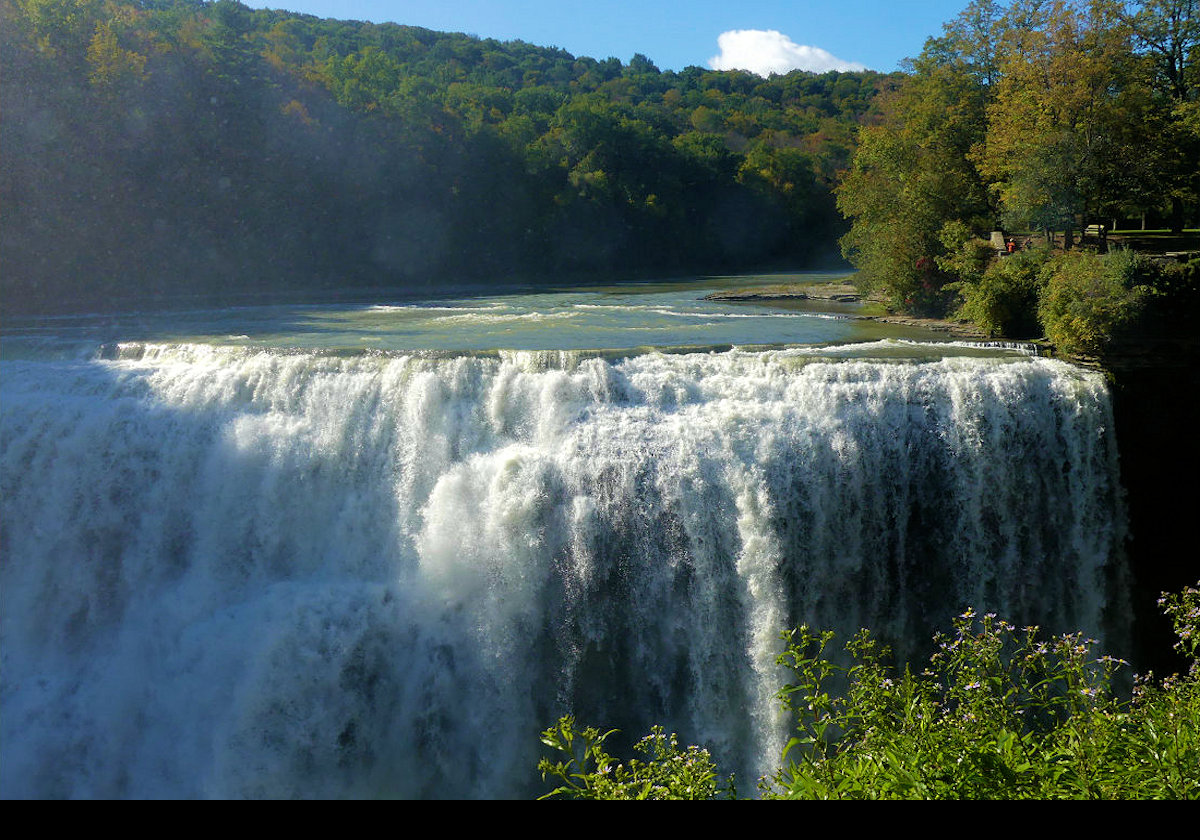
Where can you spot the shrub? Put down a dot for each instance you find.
(976, 725)
(1174, 296)
(1002, 300)
(1087, 299)
(591, 773)
(997, 714)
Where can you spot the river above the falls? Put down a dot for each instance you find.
(617, 317)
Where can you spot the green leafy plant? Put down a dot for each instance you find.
(589, 772)
(983, 721)
(998, 713)
(1087, 299)
(1002, 299)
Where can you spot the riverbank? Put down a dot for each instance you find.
(840, 292)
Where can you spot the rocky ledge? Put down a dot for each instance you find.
(844, 293)
(958, 329)
(836, 292)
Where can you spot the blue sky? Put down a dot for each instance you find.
(807, 33)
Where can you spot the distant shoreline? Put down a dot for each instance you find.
(844, 293)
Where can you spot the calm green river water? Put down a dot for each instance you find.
(626, 317)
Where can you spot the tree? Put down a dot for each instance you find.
(912, 173)
(62, 28)
(1059, 127)
(111, 64)
(1166, 35)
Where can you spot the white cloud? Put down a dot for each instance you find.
(766, 51)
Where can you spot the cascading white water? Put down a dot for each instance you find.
(231, 572)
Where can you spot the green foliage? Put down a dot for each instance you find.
(1183, 608)
(1163, 726)
(591, 773)
(999, 713)
(1045, 116)
(1174, 295)
(1058, 143)
(1081, 301)
(180, 145)
(972, 726)
(1087, 299)
(1002, 299)
(61, 28)
(966, 256)
(911, 175)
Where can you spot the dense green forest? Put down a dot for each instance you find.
(1048, 119)
(158, 148)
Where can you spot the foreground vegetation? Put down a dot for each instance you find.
(998, 713)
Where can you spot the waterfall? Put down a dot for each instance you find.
(234, 572)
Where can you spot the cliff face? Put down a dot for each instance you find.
(1156, 404)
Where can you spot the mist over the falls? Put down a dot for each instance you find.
(230, 572)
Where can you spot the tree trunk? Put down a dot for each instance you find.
(1176, 215)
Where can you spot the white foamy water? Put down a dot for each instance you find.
(230, 571)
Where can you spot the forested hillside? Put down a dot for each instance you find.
(165, 147)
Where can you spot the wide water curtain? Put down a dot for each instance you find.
(231, 572)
